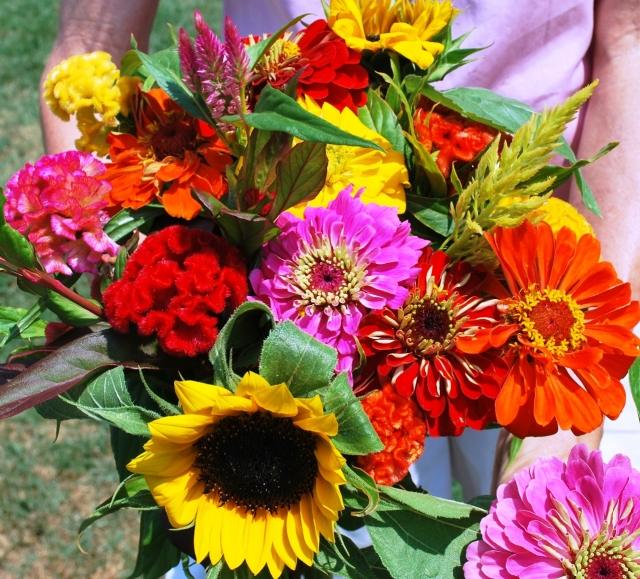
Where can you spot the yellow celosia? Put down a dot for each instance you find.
(404, 26)
(558, 213)
(382, 174)
(89, 87)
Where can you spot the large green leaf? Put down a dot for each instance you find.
(105, 398)
(69, 312)
(344, 559)
(356, 435)
(276, 111)
(431, 506)
(239, 342)
(14, 247)
(432, 212)
(72, 364)
(21, 323)
(634, 382)
(294, 357)
(156, 553)
(379, 116)
(300, 175)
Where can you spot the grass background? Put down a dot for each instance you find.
(47, 488)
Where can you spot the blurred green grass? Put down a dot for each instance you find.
(47, 488)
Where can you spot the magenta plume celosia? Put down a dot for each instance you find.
(59, 205)
(325, 271)
(554, 520)
(215, 69)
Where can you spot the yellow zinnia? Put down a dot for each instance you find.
(382, 174)
(403, 26)
(254, 471)
(89, 86)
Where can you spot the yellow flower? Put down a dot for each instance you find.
(255, 472)
(382, 174)
(89, 86)
(558, 213)
(403, 26)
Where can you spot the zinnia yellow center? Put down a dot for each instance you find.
(551, 319)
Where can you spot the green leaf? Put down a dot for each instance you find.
(431, 506)
(364, 483)
(21, 323)
(378, 116)
(276, 111)
(239, 342)
(169, 80)
(634, 382)
(300, 175)
(14, 247)
(356, 435)
(452, 57)
(294, 357)
(432, 212)
(427, 164)
(156, 553)
(125, 447)
(105, 398)
(69, 312)
(127, 220)
(70, 365)
(514, 447)
(345, 559)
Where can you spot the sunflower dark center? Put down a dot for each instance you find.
(173, 139)
(257, 461)
(605, 566)
(327, 277)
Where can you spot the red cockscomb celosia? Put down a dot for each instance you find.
(179, 285)
(329, 71)
(401, 427)
(170, 155)
(416, 349)
(566, 333)
(454, 137)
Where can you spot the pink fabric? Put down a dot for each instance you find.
(537, 51)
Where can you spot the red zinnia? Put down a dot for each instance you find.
(454, 137)
(401, 428)
(415, 348)
(179, 285)
(170, 154)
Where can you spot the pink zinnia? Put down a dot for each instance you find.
(580, 519)
(59, 205)
(325, 271)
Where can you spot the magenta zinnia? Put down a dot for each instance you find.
(59, 205)
(326, 271)
(554, 520)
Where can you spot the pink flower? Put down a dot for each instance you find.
(325, 271)
(59, 205)
(554, 520)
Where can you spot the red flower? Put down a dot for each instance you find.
(177, 286)
(415, 348)
(454, 137)
(401, 428)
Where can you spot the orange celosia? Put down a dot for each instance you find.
(170, 155)
(567, 332)
(401, 426)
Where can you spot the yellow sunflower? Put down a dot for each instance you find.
(255, 472)
(382, 174)
(404, 26)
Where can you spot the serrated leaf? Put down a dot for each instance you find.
(239, 342)
(634, 383)
(294, 357)
(378, 116)
(356, 435)
(299, 175)
(72, 364)
(276, 111)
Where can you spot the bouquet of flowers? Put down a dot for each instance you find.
(304, 259)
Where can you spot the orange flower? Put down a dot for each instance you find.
(401, 426)
(566, 332)
(170, 155)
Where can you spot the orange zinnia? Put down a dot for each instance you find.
(567, 332)
(170, 154)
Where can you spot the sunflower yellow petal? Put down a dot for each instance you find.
(180, 429)
(309, 530)
(179, 496)
(251, 383)
(205, 523)
(277, 400)
(335, 477)
(233, 541)
(326, 424)
(256, 555)
(308, 407)
(325, 525)
(328, 456)
(163, 464)
(328, 496)
(197, 397)
(277, 530)
(296, 536)
(275, 564)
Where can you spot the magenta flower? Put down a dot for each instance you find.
(59, 205)
(325, 271)
(554, 520)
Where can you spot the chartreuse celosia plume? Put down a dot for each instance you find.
(255, 472)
